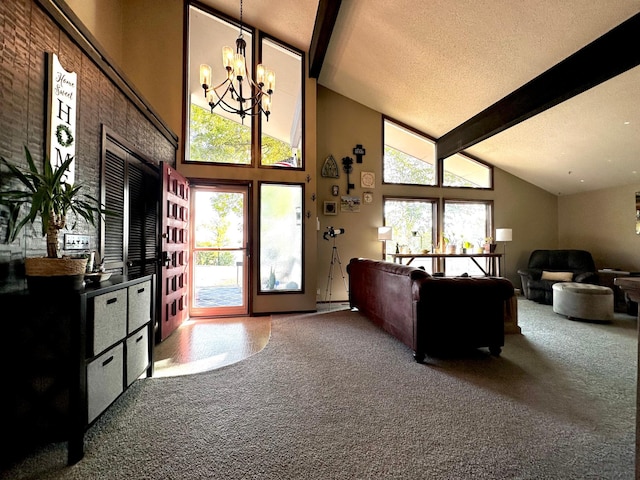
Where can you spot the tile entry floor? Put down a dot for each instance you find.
(204, 344)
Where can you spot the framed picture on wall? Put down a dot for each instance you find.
(330, 208)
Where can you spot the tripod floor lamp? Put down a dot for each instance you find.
(504, 235)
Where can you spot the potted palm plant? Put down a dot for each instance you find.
(51, 200)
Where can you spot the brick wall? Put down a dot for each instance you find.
(27, 33)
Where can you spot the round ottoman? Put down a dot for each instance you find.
(583, 300)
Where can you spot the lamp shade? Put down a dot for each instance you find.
(385, 233)
(504, 235)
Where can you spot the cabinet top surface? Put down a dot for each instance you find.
(90, 290)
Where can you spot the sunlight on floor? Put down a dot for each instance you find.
(205, 344)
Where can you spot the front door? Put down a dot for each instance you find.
(219, 255)
(174, 276)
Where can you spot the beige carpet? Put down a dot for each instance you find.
(333, 397)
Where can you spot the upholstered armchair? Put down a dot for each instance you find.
(547, 267)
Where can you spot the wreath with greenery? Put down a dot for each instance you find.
(67, 132)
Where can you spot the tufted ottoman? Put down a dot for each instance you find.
(583, 300)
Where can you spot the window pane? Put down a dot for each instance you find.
(461, 171)
(280, 237)
(465, 223)
(282, 134)
(408, 157)
(217, 136)
(412, 222)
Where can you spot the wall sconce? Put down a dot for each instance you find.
(504, 235)
(384, 234)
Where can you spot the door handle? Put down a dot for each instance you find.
(166, 259)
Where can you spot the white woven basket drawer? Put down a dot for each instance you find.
(137, 354)
(139, 305)
(104, 381)
(109, 319)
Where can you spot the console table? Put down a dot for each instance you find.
(493, 261)
(631, 286)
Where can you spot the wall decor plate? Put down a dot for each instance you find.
(367, 179)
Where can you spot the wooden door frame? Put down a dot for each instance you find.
(247, 274)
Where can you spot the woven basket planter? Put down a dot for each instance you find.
(55, 273)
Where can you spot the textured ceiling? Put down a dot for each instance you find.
(435, 66)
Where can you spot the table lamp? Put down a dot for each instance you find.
(384, 234)
(504, 235)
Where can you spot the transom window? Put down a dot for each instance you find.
(462, 171)
(409, 158)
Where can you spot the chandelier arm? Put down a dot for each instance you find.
(232, 109)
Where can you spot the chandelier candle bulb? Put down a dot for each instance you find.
(266, 103)
(239, 66)
(205, 75)
(227, 57)
(260, 75)
(271, 81)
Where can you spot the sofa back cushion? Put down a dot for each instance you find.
(562, 260)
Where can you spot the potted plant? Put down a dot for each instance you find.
(51, 200)
(489, 246)
(449, 243)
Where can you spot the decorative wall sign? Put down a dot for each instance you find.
(335, 190)
(349, 204)
(61, 116)
(330, 168)
(331, 208)
(359, 152)
(367, 197)
(367, 179)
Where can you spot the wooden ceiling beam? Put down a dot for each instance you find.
(612, 54)
(325, 20)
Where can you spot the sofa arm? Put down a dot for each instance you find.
(586, 277)
(530, 273)
(461, 312)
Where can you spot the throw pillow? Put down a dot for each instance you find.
(558, 276)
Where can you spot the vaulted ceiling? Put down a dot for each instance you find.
(435, 65)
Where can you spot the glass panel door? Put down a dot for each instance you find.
(219, 259)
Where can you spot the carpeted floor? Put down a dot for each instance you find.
(333, 397)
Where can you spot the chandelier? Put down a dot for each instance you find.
(230, 94)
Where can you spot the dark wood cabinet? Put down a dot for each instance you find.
(71, 355)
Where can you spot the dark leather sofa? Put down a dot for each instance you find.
(430, 314)
(578, 262)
